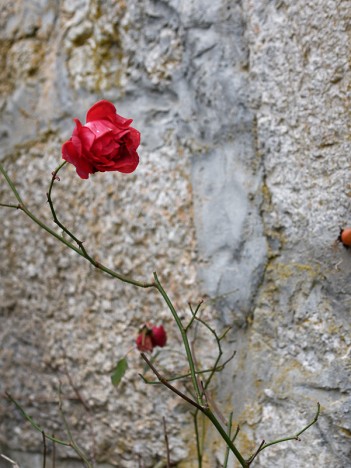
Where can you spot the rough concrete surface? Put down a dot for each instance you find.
(244, 181)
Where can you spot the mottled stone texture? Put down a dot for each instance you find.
(244, 181)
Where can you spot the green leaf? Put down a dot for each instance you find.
(119, 371)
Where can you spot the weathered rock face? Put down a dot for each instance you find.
(244, 113)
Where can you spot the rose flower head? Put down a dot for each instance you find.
(105, 143)
(151, 336)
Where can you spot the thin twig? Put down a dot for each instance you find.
(57, 221)
(44, 449)
(86, 407)
(251, 459)
(73, 444)
(9, 205)
(213, 405)
(226, 457)
(181, 377)
(168, 385)
(293, 437)
(236, 433)
(204, 394)
(193, 313)
(34, 424)
(53, 453)
(198, 444)
(167, 444)
(220, 351)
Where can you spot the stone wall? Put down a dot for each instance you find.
(243, 107)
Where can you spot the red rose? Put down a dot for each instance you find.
(150, 336)
(105, 143)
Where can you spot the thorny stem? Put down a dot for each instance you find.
(80, 252)
(56, 220)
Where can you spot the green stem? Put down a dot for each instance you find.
(57, 221)
(226, 457)
(11, 184)
(225, 437)
(193, 314)
(205, 410)
(80, 252)
(168, 385)
(35, 425)
(8, 205)
(198, 444)
(184, 338)
(73, 444)
(295, 436)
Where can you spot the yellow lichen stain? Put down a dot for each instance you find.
(287, 270)
(267, 197)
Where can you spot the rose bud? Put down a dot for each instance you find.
(158, 336)
(151, 336)
(105, 143)
(144, 341)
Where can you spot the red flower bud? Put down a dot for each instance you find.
(151, 336)
(158, 336)
(144, 341)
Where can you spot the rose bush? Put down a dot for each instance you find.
(105, 143)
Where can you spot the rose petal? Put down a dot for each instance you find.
(159, 336)
(70, 154)
(127, 163)
(134, 137)
(144, 342)
(87, 138)
(102, 110)
(100, 127)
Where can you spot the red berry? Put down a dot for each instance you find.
(345, 237)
